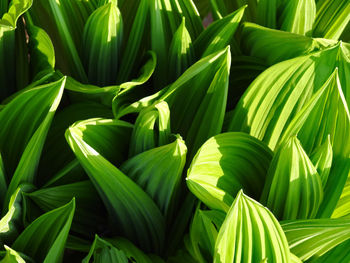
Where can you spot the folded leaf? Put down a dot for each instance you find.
(45, 238)
(102, 39)
(10, 223)
(158, 171)
(308, 238)
(279, 93)
(181, 53)
(132, 212)
(225, 164)
(293, 188)
(151, 129)
(322, 159)
(250, 233)
(12, 256)
(27, 119)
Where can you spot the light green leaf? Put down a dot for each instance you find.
(250, 233)
(279, 93)
(293, 188)
(225, 164)
(10, 223)
(343, 206)
(298, 16)
(12, 256)
(331, 19)
(322, 159)
(132, 212)
(158, 171)
(45, 238)
(308, 238)
(330, 104)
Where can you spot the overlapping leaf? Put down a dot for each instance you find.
(140, 219)
(250, 233)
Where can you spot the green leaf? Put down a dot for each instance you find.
(102, 39)
(42, 53)
(188, 10)
(10, 223)
(3, 184)
(225, 164)
(181, 53)
(322, 159)
(331, 19)
(45, 238)
(158, 171)
(64, 22)
(279, 93)
(102, 251)
(274, 46)
(330, 104)
(343, 205)
(298, 16)
(12, 256)
(218, 35)
(250, 233)
(151, 129)
(203, 233)
(132, 212)
(293, 188)
(266, 14)
(27, 119)
(308, 238)
(85, 222)
(339, 254)
(12, 47)
(132, 48)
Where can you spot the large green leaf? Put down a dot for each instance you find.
(225, 164)
(343, 205)
(330, 104)
(250, 233)
(102, 39)
(293, 188)
(158, 171)
(44, 239)
(313, 238)
(132, 212)
(279, 93)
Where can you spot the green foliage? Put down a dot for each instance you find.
(129, 130)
